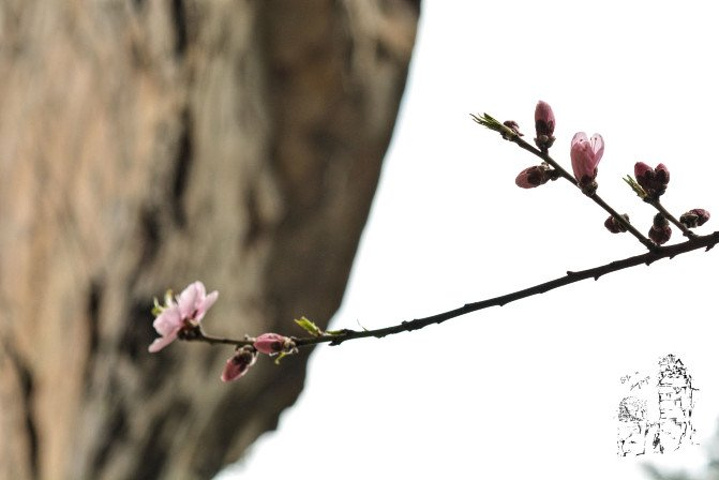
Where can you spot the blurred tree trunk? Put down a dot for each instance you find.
(145, 144)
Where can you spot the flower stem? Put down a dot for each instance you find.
(657, 204)
(596, 198)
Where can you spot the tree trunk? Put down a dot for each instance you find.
(145, 144)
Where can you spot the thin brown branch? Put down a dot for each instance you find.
(512, 136)
(660, 208)
(335, 338)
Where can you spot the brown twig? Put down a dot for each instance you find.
(341, 336)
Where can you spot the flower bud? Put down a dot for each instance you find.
(614, 226)
(514, 126)
(239, 363)
(534, 176)
(662, 174)
(544, 125)
(661, 232)
(695, 218)
(586, 154)
(272, 343)
(660, 235)
(653, 181)
(659, 220)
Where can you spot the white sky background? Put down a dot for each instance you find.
(530, 389)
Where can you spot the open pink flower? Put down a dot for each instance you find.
(586, 154)
(186, 311)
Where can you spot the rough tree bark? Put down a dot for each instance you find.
(145, 144)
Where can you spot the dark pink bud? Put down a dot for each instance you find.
(272, 343)
(661, 232)
(614, 226)
(695, 218)
(533, 176)
(659, 220)
(660, 235)
(641, 168)
(544, 124)
(239, 363)
(653, 181)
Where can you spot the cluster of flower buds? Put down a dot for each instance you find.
(661, 232)
(586, 154)
(544, 126)
(695, 218)
(614, 225)
(653, 180)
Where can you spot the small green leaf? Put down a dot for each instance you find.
(309, 326)
(636, 187)
(157, 308)
(492, 123)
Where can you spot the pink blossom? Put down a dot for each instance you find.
(586, 154)
(239, 363)
(185, 312)
(270, 343)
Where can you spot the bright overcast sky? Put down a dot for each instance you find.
(529, 390)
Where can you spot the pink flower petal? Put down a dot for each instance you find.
(168, 321)
(162, 342)
(597, 144)
(188, 299)
(579, 137)
(205, 304)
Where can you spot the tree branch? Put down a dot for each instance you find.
(341, 336)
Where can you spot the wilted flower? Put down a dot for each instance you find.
(273, 343)
(544, 125)
(695, 218)
(183, 313)
(533, 176)
(653, 181)
(238, 364)
(614, 226)
(586, 154)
